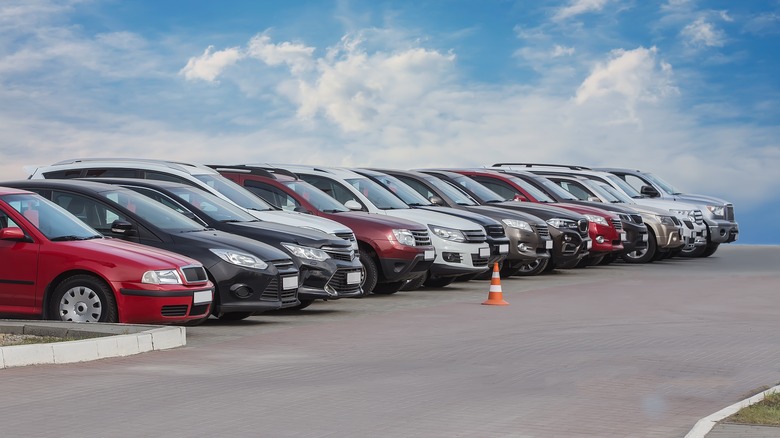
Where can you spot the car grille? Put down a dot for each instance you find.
(340, 253)
(636, 218)
(421, 237)
(698, 217)
(174, 310)
(346, 236)
(478, 261)
(200, 309)
(542, 230)
(676, 221)
(688, 224)
(582, 227)
(339, 281)
(195, 274)
(495, 230)
(274, 292)
(728, 212)
(474, 236)
(617, 224)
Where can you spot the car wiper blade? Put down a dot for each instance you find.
(233, 221)
(67, 238)
(494, 201)
(95, 236)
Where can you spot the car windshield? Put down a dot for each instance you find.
(557, 190)
(241, 196)
(665, 186)
(624, 186)
(152, 211)
(212, 206)
(484, 194)
(319, 199)
(53, 221)
(408, 195)
(533, 191)
(378, 195)
(457, 195)
(613, 192)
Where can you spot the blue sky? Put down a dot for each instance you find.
(687, 89)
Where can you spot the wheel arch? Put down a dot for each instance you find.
(70, 273)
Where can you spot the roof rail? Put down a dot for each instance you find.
(266, 171)
(568, 166)
(172, 164)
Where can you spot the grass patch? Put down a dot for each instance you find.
(765, 412)
(8, 339)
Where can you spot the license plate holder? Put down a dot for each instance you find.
(430, 255)
(548, 244)
(201, 297)
(503, 249)
(353, 277)
(484, 252)
(289, 282)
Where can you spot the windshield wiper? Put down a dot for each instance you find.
(67, 238)
(233, 221)
(494, 201)
(333, 210)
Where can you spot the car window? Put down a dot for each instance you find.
(49, 218)
(575, 189)
(211, 205)
(316, 197)
(377, 194)
(239, 195)
(457, 195)
(419, 187)
(331, 188)
(274, 196)
(162, 176)
(93, 213)
(634, 182)
(63, 174)
(112, 173)
(408, 195)
(7, 222)
(502, 189)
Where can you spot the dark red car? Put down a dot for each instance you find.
(605, 228)
(392, 250)
(55, 267)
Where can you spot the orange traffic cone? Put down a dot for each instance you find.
(495, 296)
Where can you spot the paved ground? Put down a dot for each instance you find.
(615, 351)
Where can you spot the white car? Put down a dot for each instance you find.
(196, 175)
(460, 244)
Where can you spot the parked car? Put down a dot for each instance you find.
(663, 228)
(718, 214)
(249, 277)
(495, 236)
(694, 232)
(55, 267)
(529, 236)
(328, 267)
(460, 244)
(605, 228)
(569, 231)
(195, 175)
(392, 250)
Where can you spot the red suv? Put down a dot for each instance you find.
(605, 229)
(392, 250)
(53, 266)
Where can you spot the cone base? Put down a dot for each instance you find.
(495, 302)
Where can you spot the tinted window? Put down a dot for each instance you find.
(160, 176)
(239, 195)
(112, 173)
(90, 211)
(272, 195)
(332, 188)
(63, 174)
(377, 194)
(502, 189)
(316, 197)
(50, 219)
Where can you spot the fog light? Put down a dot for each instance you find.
(600, 239)
(523, 247)
(241, 290)
(451, 257)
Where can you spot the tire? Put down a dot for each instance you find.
(388, 288)
(695, 252)
(83, 298)
(304, 304)
(643, 255)
(235, 316)
(415, 283)
(711, 248)
(371, 272)
(438, 282)
(534, 267)
(608, 259)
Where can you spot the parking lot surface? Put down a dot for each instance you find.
(609, 351)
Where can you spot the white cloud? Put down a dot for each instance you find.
(559, 51)
(297, 56)
(702, 33)
(210, 64)
(578, 7)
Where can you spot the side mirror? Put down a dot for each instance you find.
(123, 228)
(353, 205)
(301, 209)
(593, 199)
(649, 191)
(12, 233)
(436, 200)
(519, 197)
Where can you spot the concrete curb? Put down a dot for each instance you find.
(705, 425)
(94, 341)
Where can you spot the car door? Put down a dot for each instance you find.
(96, 214)
(18, 269)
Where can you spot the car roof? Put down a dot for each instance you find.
(337, 172)
(12, 191)
(153, 183)
(77, 184)
(135, 163)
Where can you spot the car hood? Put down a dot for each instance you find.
(505, 213)
(700, 199)
(666, 204)
(544, 211)
(357, 219)
(302, 220)
(274, 233)
(108, 250)
(481, 219)
(434, 218)
(213, 239)
(586, 209)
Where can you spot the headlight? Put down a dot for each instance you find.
(404, 237)
(447, 233)
(516, 223)
(163, 276)
(597, 219)
(557, 222)
(716, 210)
(666, 220)
(306, 252)
(240, 258)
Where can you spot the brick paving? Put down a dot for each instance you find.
(613, 351)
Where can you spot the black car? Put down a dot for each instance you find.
(494, 231)
(250, 277)
(529, 235)
(569, 231)
(329, 268)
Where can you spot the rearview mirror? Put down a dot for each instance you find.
(593, 199)
(649, 191)
(122, 227)
(435, 200)
(12, 233)
(353, 205)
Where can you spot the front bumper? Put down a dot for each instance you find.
(168, 305)
(636, 236)
(330, 279)
(569, 247)
(251, 290)
(693, 234)
(402, 262)
(458, 258)
(722, 231)
(666, 236)
(606, 239)
(526, 246)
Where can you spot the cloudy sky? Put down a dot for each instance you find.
(688, 89)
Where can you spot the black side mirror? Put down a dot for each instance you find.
(123, 228)
(302, 209)
(435, 200)
(649, 191)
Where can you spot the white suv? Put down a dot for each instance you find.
(196, 175)
(460, 244)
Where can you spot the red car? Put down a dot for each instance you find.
(605, 229)
(55, 267)
(392, 250)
